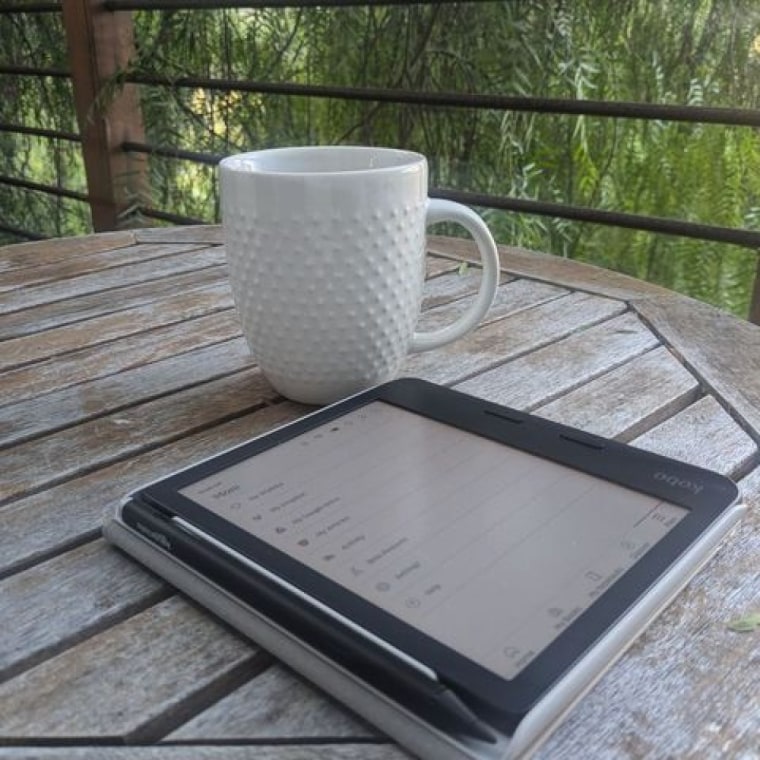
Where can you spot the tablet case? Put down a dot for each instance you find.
(421, 738)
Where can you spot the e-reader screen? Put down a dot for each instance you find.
(442, 528)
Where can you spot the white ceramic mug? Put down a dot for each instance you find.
(326, 255)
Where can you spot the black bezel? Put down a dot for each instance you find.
(711, 495)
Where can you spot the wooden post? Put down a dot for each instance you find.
(754, 304)
(100, 45)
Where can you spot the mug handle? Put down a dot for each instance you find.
(439, 210)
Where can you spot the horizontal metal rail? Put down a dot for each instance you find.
(30, 8)
(52, 134)
(166, 216)
(616, 109)
(173, 5)
(18, 232)
(741, 117)
(210, 159)
(33, 71)
(730, 235)
(38, 187)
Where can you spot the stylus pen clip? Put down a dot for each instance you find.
(378, 656)
(452, 704)
(415, 687)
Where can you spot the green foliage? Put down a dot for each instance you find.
(697, 52)
(40, 102)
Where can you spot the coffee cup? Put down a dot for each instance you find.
(326, 255)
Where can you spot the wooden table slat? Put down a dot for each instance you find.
(451, 286)
(274, 705)
(558, 270)
(542, 375)
(198, 233)
(59, 313)
(40, 524)
(723, 351)
(183, 259)
(705, 435)
(44, 461)
(100, 361)
(606, 406)
(511, 298)
(182, 307)
(437, 265)
(343, 751)
(87, 263)
(81, 592)
(79, 403)
(62, 249)
(497, 342)
(156, 343)
(115, 684)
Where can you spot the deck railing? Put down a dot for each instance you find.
(112, 137)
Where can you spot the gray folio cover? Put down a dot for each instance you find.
(419, 737)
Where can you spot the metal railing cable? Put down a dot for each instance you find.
(40, 187)
(176, 5)
(611, 109)
(10, 8)
(51, 134)
(15, 70)
(730, 235)
(166, 216)
(725, 116)
(22, 233)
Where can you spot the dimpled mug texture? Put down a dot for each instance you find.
(327, 284)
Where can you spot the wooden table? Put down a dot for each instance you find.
(121, 360)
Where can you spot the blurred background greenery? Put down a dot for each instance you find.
(682, 52)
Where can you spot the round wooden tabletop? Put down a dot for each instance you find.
(121, 360)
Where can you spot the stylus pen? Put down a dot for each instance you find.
(431, 699)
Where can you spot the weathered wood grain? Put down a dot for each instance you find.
(639, 709)
(705, 435)
(87, 263)
(194, 258)
(53, 520)
(97, 304)
(79, 403)
(693, 329)
(437, 265)
(41, 252)
(687, 688)
(133, 680)
(59, 456)
(211, 234)
(568, 273)
(452, 286)
(276, 704)
(497, 342)
(79, 592)
(722, 351)
(683, 691)
(344, 751)
(511, 298)
(629, 400)
(99, 361)
(182, 307)
(564, 365)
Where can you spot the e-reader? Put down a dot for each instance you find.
(453, 553)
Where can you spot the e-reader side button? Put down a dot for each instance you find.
(505, 416)
(581, 440)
